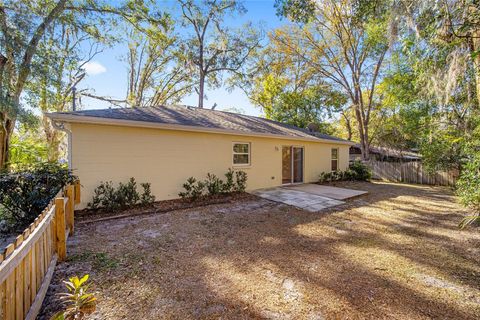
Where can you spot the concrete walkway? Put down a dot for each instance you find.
(310, 197)
(327, 191)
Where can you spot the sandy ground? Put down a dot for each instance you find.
(396, 253)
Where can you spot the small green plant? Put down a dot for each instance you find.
(240, 181)
(147, 197)
(109, 198)
(193, 189)
(229, 181)
(78, 301)
(213, 184)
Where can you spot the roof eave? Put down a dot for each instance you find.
(70, 118)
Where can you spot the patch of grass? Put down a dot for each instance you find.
(100, 260)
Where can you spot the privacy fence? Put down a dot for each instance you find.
(411, 172)
(27, 265)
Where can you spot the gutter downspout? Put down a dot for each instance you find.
(61, 126)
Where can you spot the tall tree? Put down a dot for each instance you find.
(346, 44)
(288, 89)
(212, 48)
(23, 24)
(156, 75)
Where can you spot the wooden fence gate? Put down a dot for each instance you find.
(27, 265)
(411, 172)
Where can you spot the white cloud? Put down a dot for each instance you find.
(93, 68)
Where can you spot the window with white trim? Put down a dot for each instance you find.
(241, 153)
(334, 159)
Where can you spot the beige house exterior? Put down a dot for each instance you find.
(166, 154)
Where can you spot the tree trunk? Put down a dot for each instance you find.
(6, 131)
(364, 147)
(348, 124)
(476, 62)
(201, 89)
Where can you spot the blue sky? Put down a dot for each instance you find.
(107, 74)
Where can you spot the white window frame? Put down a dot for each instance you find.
(249, 153)
(331, 159)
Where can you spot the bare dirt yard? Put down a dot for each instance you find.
(396, 253)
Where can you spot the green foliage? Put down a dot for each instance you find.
(213, 184)
(77, 300)
(109, 198)
(27, 191)
(240, 181)
(357, 171)
(193, 189)
(146, 197)
(229, 182)
(27, 148)
(468, 189)
(235, 181)
(296, 10)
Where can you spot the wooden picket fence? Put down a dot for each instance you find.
(27, 265)
(411, 172)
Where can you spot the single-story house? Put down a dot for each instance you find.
(166, 145)
(384, 154)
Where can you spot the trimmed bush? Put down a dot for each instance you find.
(229, 182)
(240, 181)
(357, 171)
(235, 181)
(26, 192)
(360, 171)
(193, 189)
(109, 198)
(213, 184)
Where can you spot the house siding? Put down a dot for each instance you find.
(166, 158)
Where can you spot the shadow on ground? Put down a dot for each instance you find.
(396, 253)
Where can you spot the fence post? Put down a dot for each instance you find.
(69, 219)
(60, 228)
(77, 191)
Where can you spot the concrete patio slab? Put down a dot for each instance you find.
(300, 199)
(327, 191)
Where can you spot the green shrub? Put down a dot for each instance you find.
(357, 171)
(147, 197)
(26, 192)
(109, 198)
(240, 181)
(127, 194)
(468, 190)
(213, 184)
(193, 189)
(229, 182)
(236, 181)
(360, 171)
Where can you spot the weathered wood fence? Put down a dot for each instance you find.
(27, 265)
(411, 172)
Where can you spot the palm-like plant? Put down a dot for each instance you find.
(78, 302)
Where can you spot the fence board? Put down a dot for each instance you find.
(27, 265)
(410, 172)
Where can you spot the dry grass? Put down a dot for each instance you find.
(396, 253)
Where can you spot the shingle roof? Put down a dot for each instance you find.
(196, 117)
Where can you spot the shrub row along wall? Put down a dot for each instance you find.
(26, 266)
(410, 172)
